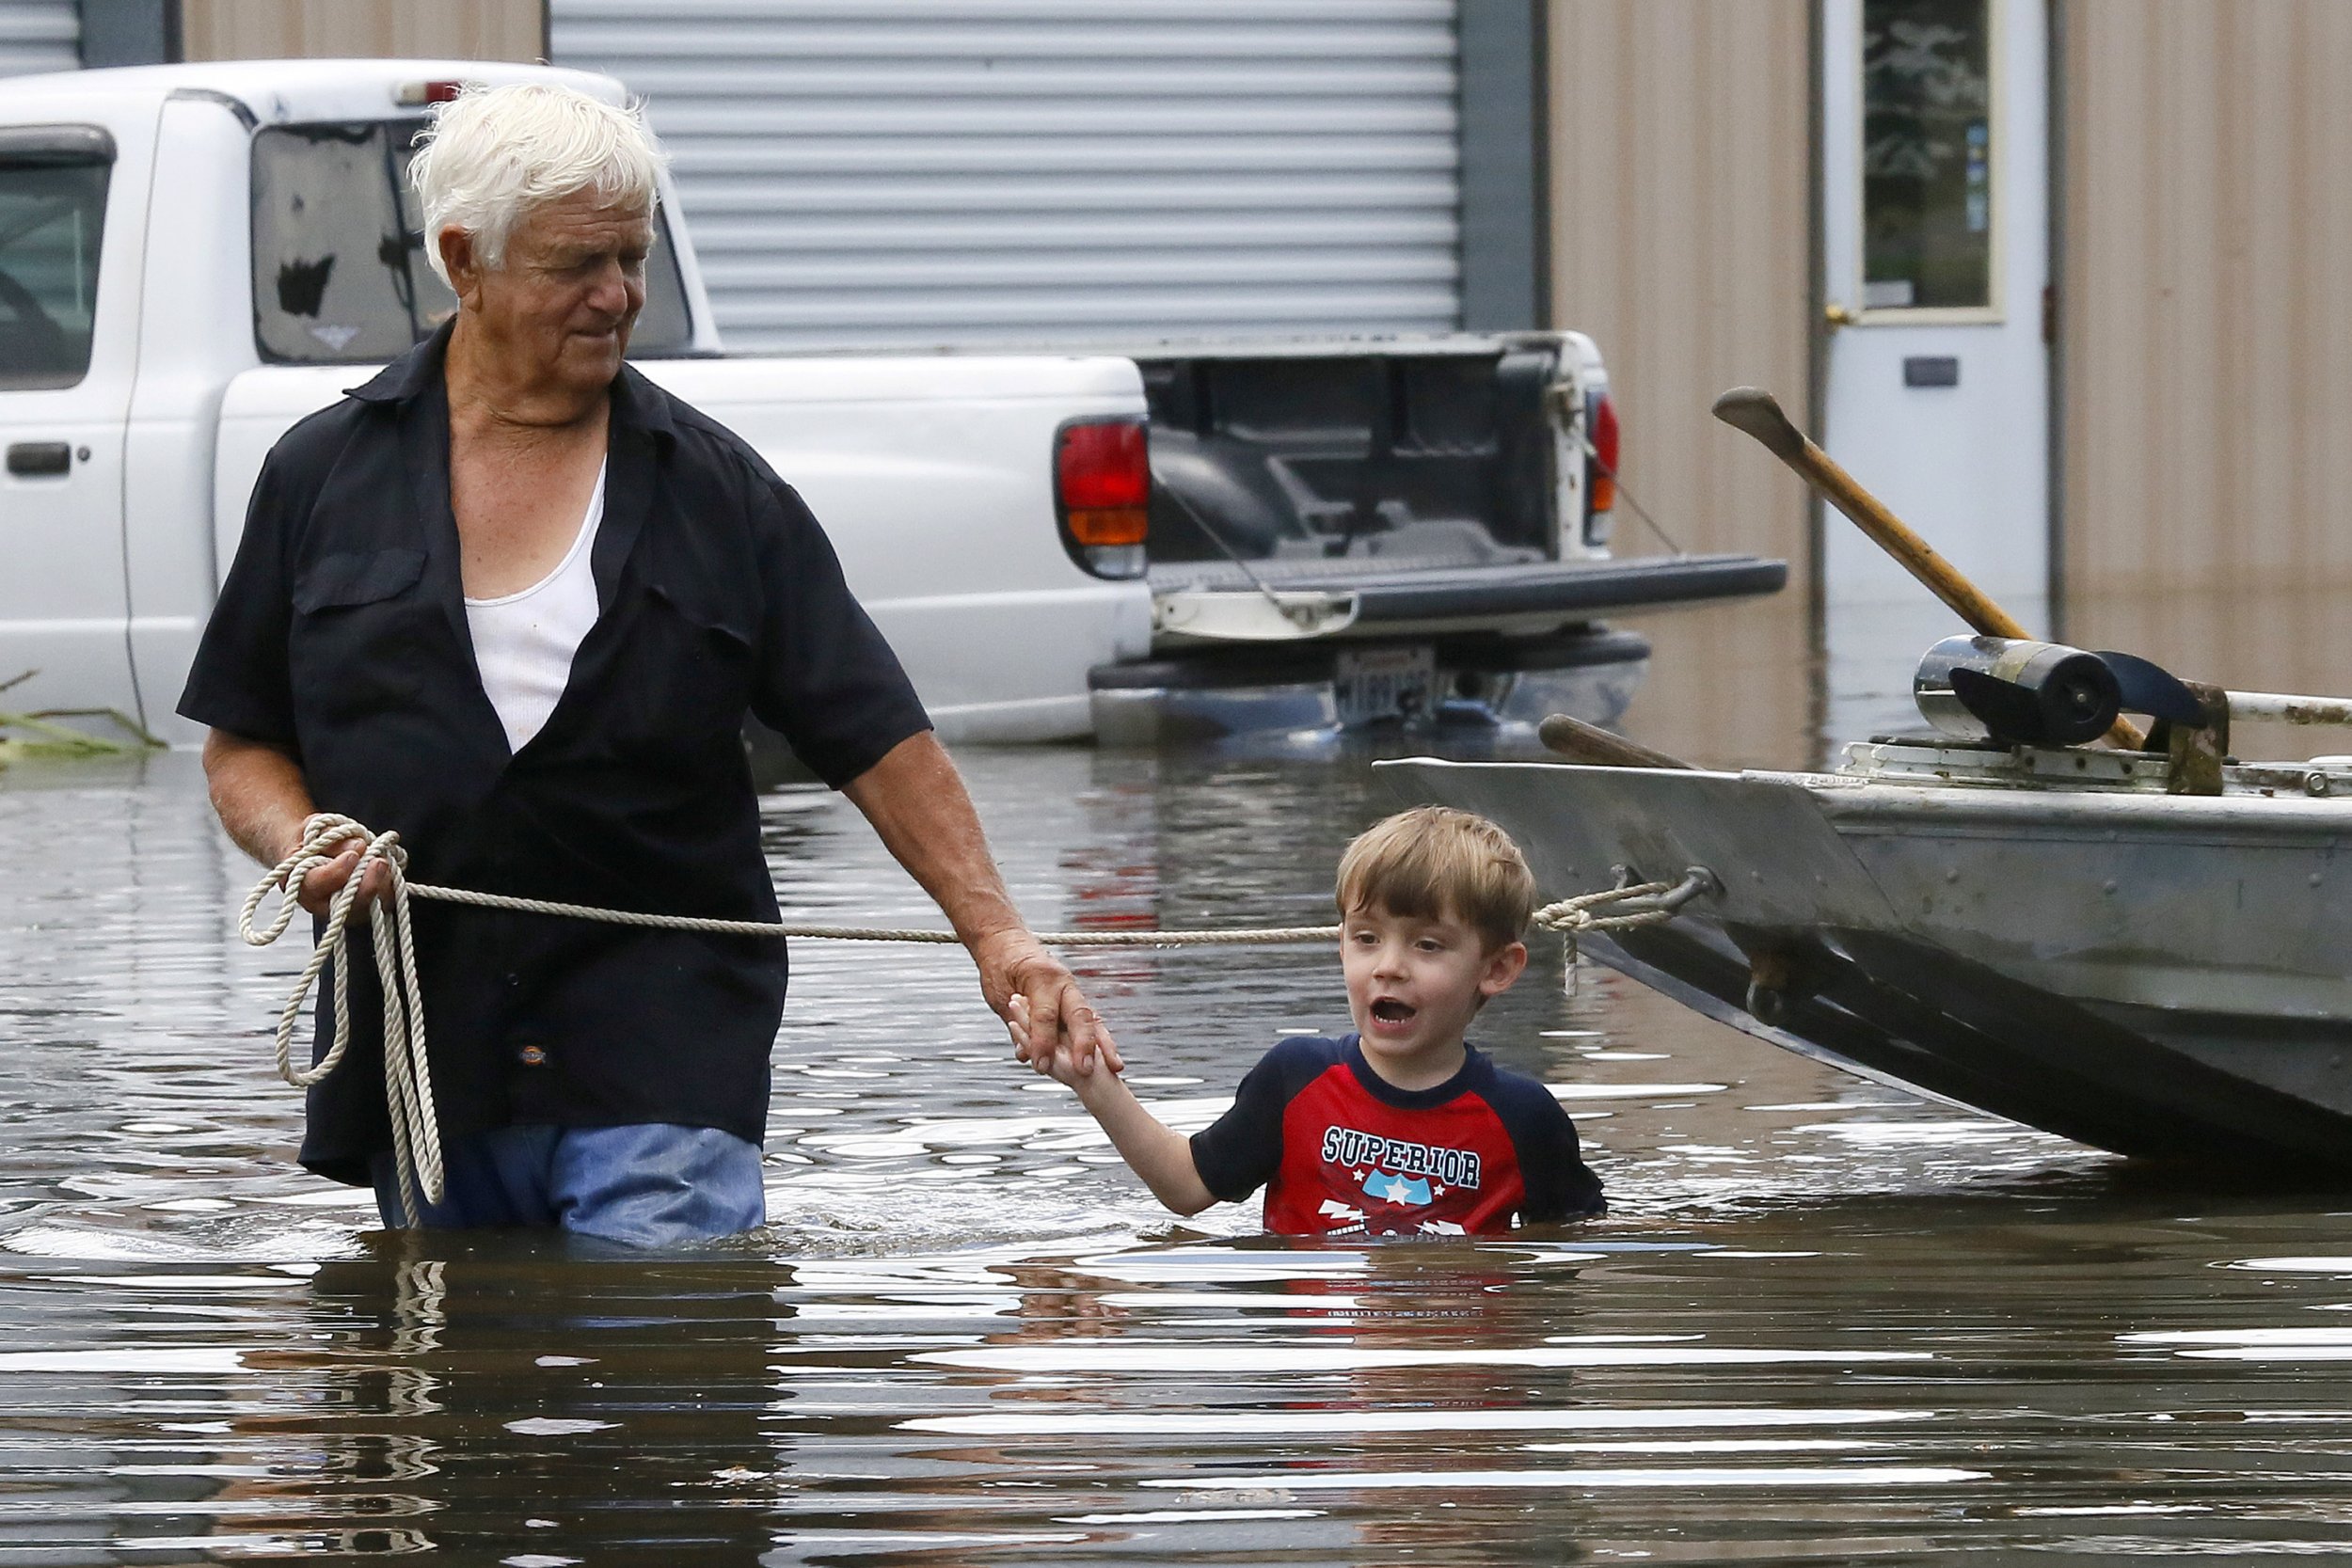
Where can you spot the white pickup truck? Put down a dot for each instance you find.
(191, 257)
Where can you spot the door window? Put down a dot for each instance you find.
(53, 209)
(1928, 128)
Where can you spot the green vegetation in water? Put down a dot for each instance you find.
(44, 736)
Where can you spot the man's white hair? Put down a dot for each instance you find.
(492, 155)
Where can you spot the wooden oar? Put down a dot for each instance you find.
(1757, 412)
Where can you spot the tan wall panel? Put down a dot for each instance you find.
(2206, 313)
(293, 29)
(1682, 220)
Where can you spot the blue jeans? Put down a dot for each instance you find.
(650, 1185)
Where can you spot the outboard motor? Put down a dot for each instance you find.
(2015, 693)
(2003, 689)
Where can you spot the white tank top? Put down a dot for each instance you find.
(523, 644)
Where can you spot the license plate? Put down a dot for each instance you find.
(1384, 683)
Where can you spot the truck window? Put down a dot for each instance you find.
(52, 207)
(339, 270)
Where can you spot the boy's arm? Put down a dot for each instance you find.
(1152, 1149)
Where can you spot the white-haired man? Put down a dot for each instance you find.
(515, 601)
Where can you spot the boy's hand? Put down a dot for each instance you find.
(1062, 1069)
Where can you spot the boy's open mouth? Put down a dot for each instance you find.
(1390, 1010)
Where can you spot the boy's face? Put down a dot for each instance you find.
(1413, 986)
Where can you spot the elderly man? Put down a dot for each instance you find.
(512, 600)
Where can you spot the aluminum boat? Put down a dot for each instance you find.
(2148, 951)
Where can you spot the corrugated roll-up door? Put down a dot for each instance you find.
(39, 35)
(963, 171)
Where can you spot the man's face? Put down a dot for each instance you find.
(570, 290)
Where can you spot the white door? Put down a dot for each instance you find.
(1934, 169)
(73, 196)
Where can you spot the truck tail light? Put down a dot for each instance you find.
(414, 94)
(1601, 465)
(1103, 494)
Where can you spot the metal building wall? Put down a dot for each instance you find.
(328, 29)
(2205, 310)
(966, 171)
(1682, 239)
(39, 35)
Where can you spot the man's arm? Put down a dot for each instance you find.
(1153, 1150)
(917, 803)
(262, 800)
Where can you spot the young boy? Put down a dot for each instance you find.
(1399, 1127)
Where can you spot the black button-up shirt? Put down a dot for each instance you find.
(340, 632)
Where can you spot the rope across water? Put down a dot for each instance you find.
(407, 1071)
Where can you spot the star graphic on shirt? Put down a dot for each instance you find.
(1403, 1190)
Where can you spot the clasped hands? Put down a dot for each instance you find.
(1053, 1026)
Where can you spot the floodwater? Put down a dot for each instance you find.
(1823, 1321)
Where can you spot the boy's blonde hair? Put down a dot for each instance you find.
(1433, 862)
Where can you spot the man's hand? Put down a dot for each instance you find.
(1043, 1009)
(258, 789)
(319, 888)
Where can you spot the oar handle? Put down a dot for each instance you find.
(1595, 746)
(1758, 413)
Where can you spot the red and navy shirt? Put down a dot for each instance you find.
(1340, 1151)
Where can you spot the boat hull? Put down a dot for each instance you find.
(2161, 977)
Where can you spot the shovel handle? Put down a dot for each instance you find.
(1758, 414)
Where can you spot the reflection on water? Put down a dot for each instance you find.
(1823, 1322)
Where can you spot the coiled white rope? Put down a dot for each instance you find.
(408, 1072)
